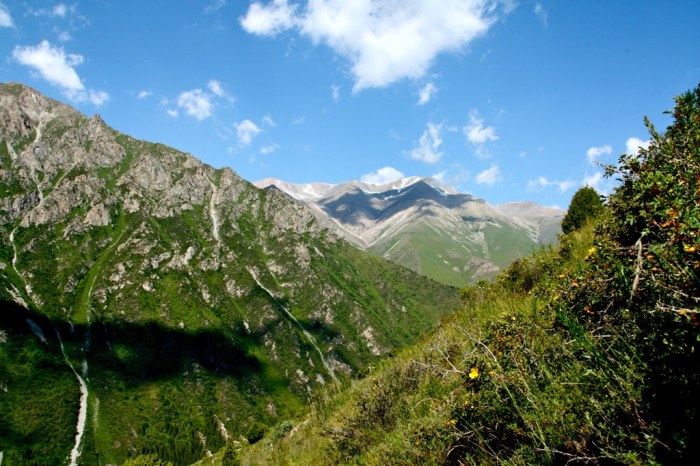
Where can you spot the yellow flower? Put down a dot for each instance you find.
(688, 248)
(474, 373)
(590, 252)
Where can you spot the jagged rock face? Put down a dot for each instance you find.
(426, 227)
(105, 231)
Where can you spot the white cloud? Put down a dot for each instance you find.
(270, 19)
(216, 88)
(489, 176)
(5, 17)
(541, 13)
(543, 182)
(476, 132)
(215, 6)
(384, 41)
(143, 94)
(172, 112)
(452, 177)
(246, 131)
(60, 10)
(52, 64)
(428, 146)
(267, 119)
(594, 181)
(63, 36)
(335, 92)
(57, 67)
(595, 152)
(268, 149)
(634, 144)
(426, 93)
(97, 98)
(382, 176)
(196, 103)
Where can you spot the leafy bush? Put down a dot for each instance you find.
(643, 276)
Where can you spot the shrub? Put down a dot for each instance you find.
(643, 277)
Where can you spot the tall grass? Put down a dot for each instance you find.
(512, 377)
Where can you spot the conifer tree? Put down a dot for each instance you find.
(585, 204)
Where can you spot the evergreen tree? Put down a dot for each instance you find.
(585, 204)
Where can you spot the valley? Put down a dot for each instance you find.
(184, 301)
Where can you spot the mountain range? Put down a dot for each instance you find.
(154, 304)
(452, 237)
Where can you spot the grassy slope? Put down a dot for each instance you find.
(589, 353)
(512, 377)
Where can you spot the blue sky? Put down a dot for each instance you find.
(507, 100)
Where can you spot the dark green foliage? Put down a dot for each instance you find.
(643, 279)
(585, 205)
(230, 455)
(146, 460)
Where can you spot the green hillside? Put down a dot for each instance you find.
(169, 305)
(585, 353)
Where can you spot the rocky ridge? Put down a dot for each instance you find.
(419, 223)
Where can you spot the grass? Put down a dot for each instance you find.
(512, 377)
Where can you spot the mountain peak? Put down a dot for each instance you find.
(427, 226)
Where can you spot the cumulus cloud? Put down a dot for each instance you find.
(426, 93)
(97, 98)
(633, 145)
(199, 103)
(57, 67)
(5, 17)
(270, 19)
(60, 10)
(476, 132)
(52, 63)
(384, 41)
(382, 176)
(246, 131)
(196, 103)
(490, 176)
(428, 146)
(143, 94)
(594, 181)
(594, 153)
(543, 182)
(218, 89)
